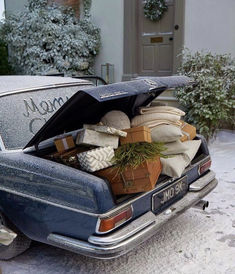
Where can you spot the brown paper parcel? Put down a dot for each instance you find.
(136, 135)
(189, 132)
(141, 179)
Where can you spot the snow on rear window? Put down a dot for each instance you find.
(23, 114)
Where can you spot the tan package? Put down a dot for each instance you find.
(188, 131)
(64, 143)
(136, 135)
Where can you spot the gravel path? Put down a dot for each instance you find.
(196, 242)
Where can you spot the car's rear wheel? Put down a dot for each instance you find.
(19, 244)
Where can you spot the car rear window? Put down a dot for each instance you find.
(23, 114)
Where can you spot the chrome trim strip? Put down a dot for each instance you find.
(85, 83)
(7, 236)
(46, 201)
(125, 232)
(100, 247)
(2, 146)
(13, 150)
(116, 213)
(202, 182)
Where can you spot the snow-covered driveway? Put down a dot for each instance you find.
(196, 242)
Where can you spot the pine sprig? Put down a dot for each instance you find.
(134, 154)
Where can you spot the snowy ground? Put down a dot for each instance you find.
(196, 242)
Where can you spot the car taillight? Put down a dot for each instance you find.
(204, 167)
(109, 223)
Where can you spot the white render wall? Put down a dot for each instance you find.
(210, 25)
(108, 15)
(2, 9)
(13, 6)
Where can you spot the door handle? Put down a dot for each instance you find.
(177, 27)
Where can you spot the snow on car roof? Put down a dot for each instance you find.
(21, 82)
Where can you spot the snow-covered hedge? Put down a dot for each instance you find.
(212, 101)
(47, 38)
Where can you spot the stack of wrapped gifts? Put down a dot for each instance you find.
(131, 154)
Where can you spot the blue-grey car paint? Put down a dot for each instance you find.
(42, 197)
(53, 202)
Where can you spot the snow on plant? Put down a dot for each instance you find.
(212, 100)
(47, 38)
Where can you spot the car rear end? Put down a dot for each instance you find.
(138, 217)
(72, 209)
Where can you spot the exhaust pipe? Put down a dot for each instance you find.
(201, 205)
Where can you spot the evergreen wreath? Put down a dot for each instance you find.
(155, 9)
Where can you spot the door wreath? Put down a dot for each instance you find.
(154, 9)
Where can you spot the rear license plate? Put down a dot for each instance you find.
(165, 197)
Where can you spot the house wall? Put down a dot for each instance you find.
(210, 25)
(13, 6)
(2, 9)
(108, 15)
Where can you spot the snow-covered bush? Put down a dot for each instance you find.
(212, 100)
(47, 38)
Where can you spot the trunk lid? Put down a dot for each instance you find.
(89, 105)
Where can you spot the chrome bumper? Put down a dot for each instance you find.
(124, 239)
(7, 236)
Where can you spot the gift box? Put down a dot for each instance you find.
(188, 131)
(136, 135)
(64, 143)
(92, 137)
(96, 159)
(141, 179)
(106, 129)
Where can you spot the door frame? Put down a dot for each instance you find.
(130, 51)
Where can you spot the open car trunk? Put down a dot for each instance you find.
(89, 105)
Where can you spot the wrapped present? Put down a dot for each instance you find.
(188, 131)
(106, 129)
(96, 159)
(137, 134)
(94, 138)
(64, 143)
(143, 178)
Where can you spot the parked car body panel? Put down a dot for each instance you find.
(43, 198)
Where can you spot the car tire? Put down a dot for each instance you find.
(20, 244)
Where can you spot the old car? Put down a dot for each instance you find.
(49, 202)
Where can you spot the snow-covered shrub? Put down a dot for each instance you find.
(212, 100)
(46, 38)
